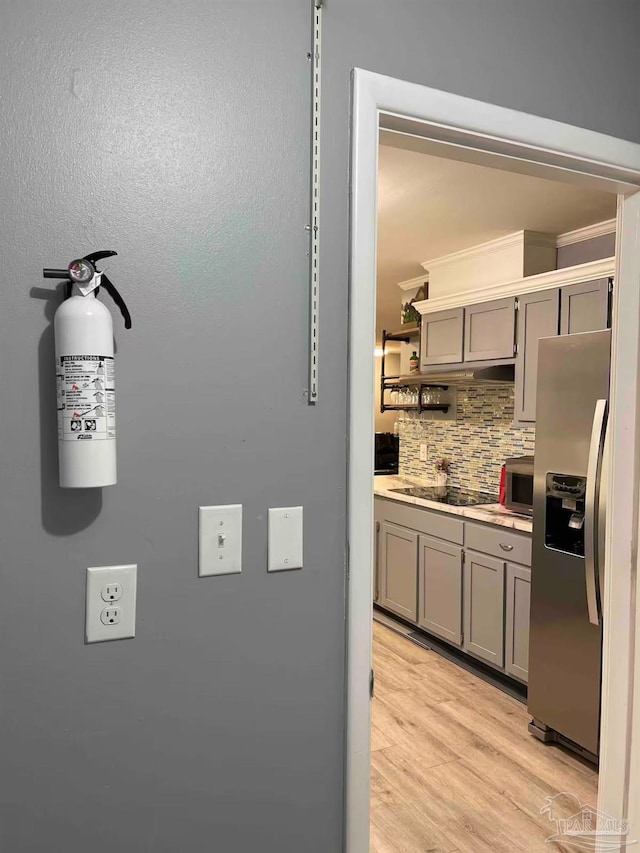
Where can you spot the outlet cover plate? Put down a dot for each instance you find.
(220, 551)
(98, 577)
(285, 538)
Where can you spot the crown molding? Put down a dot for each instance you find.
(533, 238)
(531, 284)
(412, 283)
(599, 229)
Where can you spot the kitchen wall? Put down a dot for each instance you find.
(477, 443)
(177, 133)
(587, 250)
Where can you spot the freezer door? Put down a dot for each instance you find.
(565, 648)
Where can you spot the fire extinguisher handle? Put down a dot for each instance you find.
(92, 257)
(117, 298)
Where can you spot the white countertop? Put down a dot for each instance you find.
(489, 513)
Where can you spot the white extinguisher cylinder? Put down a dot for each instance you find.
(85, 377)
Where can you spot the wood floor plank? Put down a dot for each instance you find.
(392, 672)
(400, 826)
(412, 732)
(408, 651)
(442, 797)
(461, 760)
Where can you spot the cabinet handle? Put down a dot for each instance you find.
(506, 547)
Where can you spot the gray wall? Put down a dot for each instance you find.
(176, 133)
(587, 250)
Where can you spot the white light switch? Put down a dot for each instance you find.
(220, 540)
(285, 538)
(110, 612)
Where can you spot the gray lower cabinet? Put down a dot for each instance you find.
(484, 607)
(398, 570)
(538, 317)
(517, 622)
(584, 307)
(440, 588)
(489, 330)
(441, 337)
(471, 596)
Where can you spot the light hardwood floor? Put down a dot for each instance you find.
(453, 766)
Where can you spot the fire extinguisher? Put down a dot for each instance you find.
(85, 375)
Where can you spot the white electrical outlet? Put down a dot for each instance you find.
(111, 616)
(112, 592)
(106, 620)
(423, 452)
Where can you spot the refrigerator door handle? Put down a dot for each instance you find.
(591, 510)
(603, 498)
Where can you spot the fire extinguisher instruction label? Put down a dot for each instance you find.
(86, 397)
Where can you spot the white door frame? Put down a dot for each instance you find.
(546, 146)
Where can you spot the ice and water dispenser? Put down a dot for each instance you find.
(564, 516)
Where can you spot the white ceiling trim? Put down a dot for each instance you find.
(412, 283)
(530, 284)
(599, 229)
(535, 238)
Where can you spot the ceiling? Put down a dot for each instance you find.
(430, 206)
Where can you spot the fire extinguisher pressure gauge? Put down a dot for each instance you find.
(81, 271)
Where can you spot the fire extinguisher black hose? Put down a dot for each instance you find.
(115, 295)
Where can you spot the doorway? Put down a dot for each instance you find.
(482, 134)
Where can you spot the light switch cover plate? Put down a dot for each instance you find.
(220, 540)
(108, 618)
(285, 538)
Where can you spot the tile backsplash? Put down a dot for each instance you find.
(476, 444)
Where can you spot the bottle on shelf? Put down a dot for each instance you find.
(414, 362)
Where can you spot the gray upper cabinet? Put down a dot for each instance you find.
(517, 622)
(538, 317)
(442, 337)
(440, 588)
(398, 570)
(489, 330)
(584, 307)
(484, 607)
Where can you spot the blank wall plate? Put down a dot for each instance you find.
(109, 618)
(285, 538)
(220, 540)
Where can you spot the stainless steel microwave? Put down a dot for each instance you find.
(519, 484)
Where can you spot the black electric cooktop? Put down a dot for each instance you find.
(453, 496)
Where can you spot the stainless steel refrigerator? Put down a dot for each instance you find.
(569, 507)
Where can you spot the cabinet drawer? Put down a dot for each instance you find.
(515, 547)
(421, 520)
